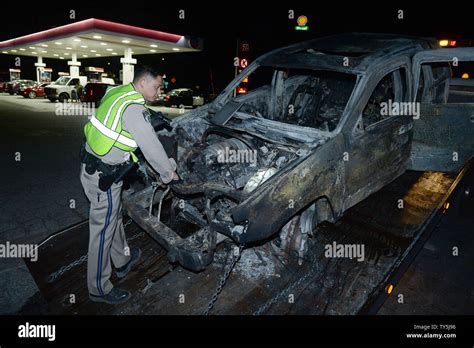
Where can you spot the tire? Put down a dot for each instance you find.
(11, 93)
(32, 95)
(293, 238)
(52, 100)
(63, 97)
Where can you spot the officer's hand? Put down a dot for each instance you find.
(174, 179)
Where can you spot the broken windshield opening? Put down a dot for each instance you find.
(309, 98)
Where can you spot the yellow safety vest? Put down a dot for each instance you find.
(104, 130)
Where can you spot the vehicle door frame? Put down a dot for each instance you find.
(447, 138)
(353, 129)
(438, 55)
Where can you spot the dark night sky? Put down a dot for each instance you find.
(221, 25)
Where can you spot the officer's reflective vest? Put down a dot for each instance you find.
(104, 130)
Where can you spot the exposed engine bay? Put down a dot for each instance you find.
(219, 169)
(232, 163)
(225, 167)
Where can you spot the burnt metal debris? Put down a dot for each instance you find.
(308, 144)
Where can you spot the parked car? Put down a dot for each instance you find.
(180, 97)
(8, 87)
(94, 91)
(64, 88)
(13, 87)
(24, 85)
(3, 86)
(307, 144)
(35, 91)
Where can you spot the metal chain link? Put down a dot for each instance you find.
(127, 223)
(223, 280)
(263, 309)
(57, 274)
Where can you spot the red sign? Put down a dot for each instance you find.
(244, 63)
(173, 80)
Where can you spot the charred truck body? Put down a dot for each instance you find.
(332, 121)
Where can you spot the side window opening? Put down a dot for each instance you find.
(391, 88)
(445, 83)
(433, 85)
(461, 83)
(441, 75)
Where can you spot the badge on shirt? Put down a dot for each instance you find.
(147, 115)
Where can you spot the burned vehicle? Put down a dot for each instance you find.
(329, 122)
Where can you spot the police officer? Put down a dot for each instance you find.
(118, 127)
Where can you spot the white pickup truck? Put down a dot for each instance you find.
(64, 88)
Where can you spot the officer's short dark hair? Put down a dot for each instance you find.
(146, 71)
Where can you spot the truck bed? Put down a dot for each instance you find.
(260, 282)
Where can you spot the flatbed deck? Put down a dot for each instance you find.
(260, 282)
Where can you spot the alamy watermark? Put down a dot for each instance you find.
(348, 251)
(74, 109)
(392, 108)
(229, 155)
(25, 251)
(37, 331)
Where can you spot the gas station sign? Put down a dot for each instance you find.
(45, 75)
(14, 74)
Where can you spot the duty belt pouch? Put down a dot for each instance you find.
(88, 160)
(94, 164)
(111, 174)
(91, 168)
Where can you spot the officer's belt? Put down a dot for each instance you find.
(94, 164)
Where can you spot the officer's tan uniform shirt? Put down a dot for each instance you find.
(134, 122)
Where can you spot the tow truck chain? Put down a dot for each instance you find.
(266, 306)
(223, 279)
(59, 273)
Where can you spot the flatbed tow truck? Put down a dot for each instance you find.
(392, 221)
(260, 282)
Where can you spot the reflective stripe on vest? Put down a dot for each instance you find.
(112, 134)
(121, 108)
(104, 130)
(109, 111)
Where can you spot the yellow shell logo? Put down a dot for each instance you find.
(302, 20)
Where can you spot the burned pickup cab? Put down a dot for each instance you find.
(328, 122)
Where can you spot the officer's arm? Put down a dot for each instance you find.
(133, 121)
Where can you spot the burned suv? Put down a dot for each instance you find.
(329, 122)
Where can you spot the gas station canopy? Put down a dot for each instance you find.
(94, 38)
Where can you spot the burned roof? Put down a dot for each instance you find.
(363, 43)
(330, 52)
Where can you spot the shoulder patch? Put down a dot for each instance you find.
(146, 115)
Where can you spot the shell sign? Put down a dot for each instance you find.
(302, 21)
